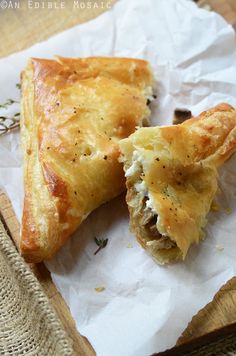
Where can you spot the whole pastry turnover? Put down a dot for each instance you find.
(171, 178)
(74, 113)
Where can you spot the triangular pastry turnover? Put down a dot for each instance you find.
(171, 178)
(74, 112)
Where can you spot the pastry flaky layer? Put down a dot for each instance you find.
(171, 178)
(74, 112)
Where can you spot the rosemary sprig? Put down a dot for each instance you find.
(101, 244)
(18, 85)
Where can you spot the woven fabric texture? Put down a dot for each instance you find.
(28, 324)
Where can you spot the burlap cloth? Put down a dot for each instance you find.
(28, 324)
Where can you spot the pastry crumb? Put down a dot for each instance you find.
(228, 211)
(219, 247)
(99, 289)
(129, 245)
(215, 207)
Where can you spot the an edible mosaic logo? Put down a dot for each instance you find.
(76, 4)
(4, 4)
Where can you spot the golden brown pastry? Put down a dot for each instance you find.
(171, 174)
(74, 112)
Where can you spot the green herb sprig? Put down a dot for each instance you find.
(101, 244)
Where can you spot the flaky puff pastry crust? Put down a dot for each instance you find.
(74, 112)
(172, 179)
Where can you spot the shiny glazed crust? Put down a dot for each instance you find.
(74, 112)
(177, 169)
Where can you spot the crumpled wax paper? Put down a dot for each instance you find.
(144, 307)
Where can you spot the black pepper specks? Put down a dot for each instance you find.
(75, 192)
(48, 148)
(163, 166)
(105, 157)
(157, 159)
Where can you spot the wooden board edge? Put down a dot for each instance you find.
(213, 314)
(201, 341)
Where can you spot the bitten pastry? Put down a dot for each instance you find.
(171, 178)
(74, 112)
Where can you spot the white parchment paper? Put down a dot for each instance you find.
(144, 307)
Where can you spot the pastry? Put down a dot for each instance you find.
(74, 112)
(171, 178)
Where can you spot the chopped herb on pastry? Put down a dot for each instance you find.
(74, 113)
(171, 179)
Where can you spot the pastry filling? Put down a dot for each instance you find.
(148, 221)
(145, 214)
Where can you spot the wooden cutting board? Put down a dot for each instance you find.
(20, 28)
(226, 8)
